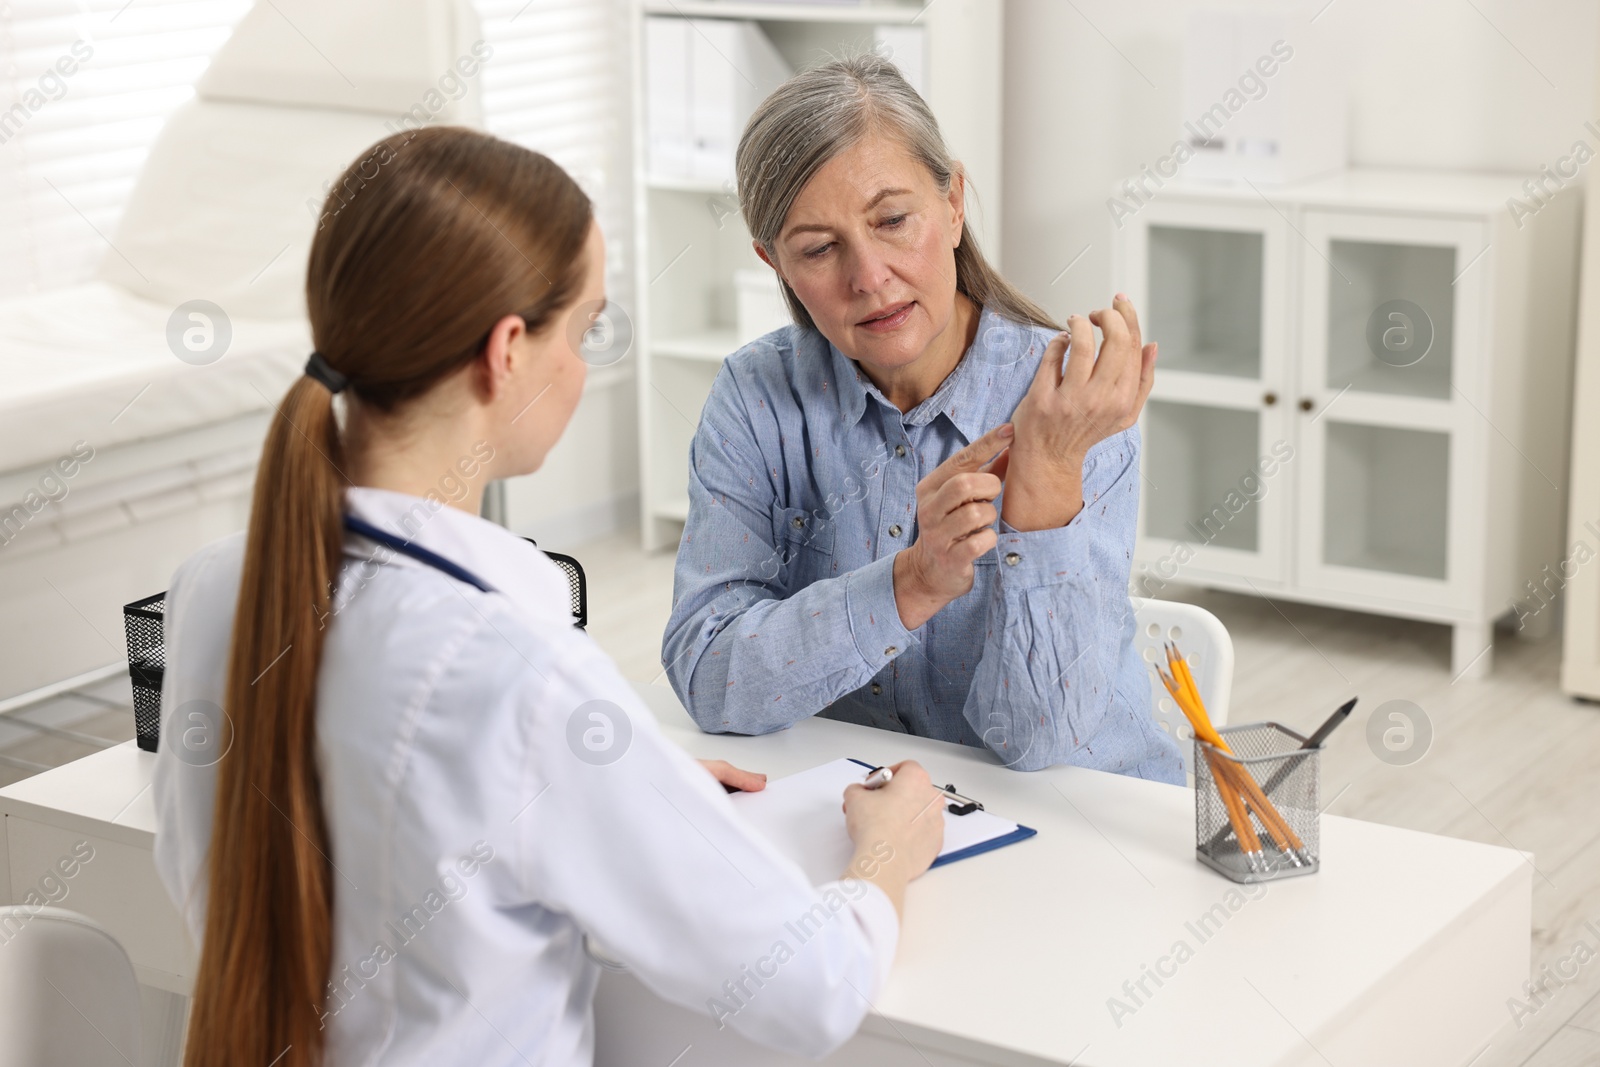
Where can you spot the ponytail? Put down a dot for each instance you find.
(268, 934)
(424, 243)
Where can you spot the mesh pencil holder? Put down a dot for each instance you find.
(1267, 763)
(147, 659)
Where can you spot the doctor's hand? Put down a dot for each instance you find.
(898, 829)
(1069, 409)
(733, 778)
(955, 525)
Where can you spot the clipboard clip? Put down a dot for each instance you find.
(962, 805)
(877, 777)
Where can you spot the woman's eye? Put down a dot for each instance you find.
(815, 252)
(895, 221)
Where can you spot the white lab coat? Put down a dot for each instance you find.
(473, 847)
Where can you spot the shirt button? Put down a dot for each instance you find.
(891, 650)
(894, 531)
(876, 689)
(899, 450)
(1012, 559)
(798, 522)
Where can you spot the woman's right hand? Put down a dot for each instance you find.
(955, 525)
(898, 829)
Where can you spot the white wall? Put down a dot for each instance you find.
(589, 484)
(1434, 84)
(1501, 85)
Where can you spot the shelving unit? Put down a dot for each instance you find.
(1397, 351)
(691, 238)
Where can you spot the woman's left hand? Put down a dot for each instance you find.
(1070, 409)
(729, 775)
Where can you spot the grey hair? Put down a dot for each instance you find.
(826, 110)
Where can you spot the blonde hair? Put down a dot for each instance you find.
(821, 112)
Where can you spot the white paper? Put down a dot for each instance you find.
(803, 815)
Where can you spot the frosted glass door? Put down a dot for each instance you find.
(1205, 299)
(1200, 475)
(1387, 499)
(1209, 281)
(1391, 344)
(1391, 315)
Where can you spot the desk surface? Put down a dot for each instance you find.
(1015, 956)
(1022, 949)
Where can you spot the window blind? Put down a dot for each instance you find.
(72, 144)
(557, 83)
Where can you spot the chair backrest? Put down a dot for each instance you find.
(577, 584)
(68, 995)
(1205, 643)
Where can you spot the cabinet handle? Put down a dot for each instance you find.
(1306, 404)
(1269, 399)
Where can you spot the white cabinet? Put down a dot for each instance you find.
(1362, 395)
(692, 242)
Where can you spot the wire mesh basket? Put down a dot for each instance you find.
(147, 660)
(1282, 838)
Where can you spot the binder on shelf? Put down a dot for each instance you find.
(666, 98)
(703, 78)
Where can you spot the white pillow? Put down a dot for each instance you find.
(383, 56)
(227, 204)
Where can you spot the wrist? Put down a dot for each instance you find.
(888, 874)
(915, 600)
(1043, 498)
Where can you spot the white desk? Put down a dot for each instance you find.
(1401, 951)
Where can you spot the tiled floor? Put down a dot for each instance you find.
(1512, 760)
(99, 714)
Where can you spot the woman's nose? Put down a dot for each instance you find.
(869, 271)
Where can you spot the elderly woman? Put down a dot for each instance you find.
(849, 551)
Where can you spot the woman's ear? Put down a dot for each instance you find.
(958, 199)
(762, 253)
(500, 355)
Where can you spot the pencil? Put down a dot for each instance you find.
(1238, 817)
(1186, 694)
(1243, 831)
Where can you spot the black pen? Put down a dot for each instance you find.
(1339, 716)
(1314, 741)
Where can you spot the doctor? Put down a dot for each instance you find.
(848, 550)
(399, 794)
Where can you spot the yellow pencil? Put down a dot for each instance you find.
(1182, 686)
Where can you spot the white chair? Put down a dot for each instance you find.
(68, 996)
(1205, 643)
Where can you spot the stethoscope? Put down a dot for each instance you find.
(415, 551)
(455, 570)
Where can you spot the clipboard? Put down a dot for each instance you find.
(801, 815)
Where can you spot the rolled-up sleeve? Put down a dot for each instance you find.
(744, 650)
(1054, 677)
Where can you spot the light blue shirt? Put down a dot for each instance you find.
(802, 488)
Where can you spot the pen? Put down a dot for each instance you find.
(1314, 741)
(1339, 716)
(879, 777)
